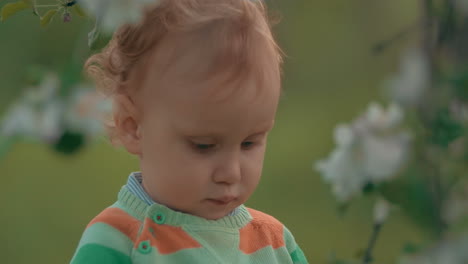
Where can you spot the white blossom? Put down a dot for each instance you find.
(380, 120)
(50, 121)
(40, 114)
(87, 111)
(343, 172)
(411, 81)
(370, 150)
(383, 155)
(381, 210)
(45, 91)
(113, 13)
(37, 114)
(19, 119)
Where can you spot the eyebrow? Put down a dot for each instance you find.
(206, 134)
(216, 135)
(258, 133)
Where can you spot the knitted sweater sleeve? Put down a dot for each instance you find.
(293, 248)
(108, 238)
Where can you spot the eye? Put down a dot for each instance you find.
(203, 146)
(247, 144)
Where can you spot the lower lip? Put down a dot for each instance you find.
(217, 202)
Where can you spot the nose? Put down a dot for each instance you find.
(229, 169)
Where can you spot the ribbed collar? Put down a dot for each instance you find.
(134, 186)
(141, 210)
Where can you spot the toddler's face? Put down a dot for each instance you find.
(199, 155)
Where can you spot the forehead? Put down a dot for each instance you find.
(183, 58)
(205, 107)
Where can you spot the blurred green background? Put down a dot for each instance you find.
(330, 76)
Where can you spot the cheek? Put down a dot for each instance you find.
(181, 166)
(254, 167)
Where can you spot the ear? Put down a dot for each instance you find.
(127, 123)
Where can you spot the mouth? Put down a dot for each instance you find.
(223, 200)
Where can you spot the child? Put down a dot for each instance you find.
(195, 87)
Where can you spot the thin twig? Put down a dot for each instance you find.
(35, 9)
(47, 6)
(384, 44)
(372, 241)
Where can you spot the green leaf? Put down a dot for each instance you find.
(33, 5)
(70, 76)
(411, 193)
(12, 8)
(460, 85)
(45, 20)
(369, 188)
(444, 129)
(34, 74)
(79, 11)
(410, 248)
(70, 142)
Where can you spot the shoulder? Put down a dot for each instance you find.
(263, 221)
(263, 230)
(110, 235)
(117, 219)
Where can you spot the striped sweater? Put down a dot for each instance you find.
(131, 231)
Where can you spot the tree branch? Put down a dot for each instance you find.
(372, 241)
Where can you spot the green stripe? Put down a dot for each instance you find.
(298, 256)
(104, 234)
(98, 254)
(289, 239)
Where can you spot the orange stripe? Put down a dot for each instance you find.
(120, 220)
(264, 230)
(167, 239)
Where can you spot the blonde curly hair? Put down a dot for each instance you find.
(235, 33)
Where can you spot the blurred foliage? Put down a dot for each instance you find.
(330, 73)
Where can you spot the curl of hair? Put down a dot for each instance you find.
(240, 29)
